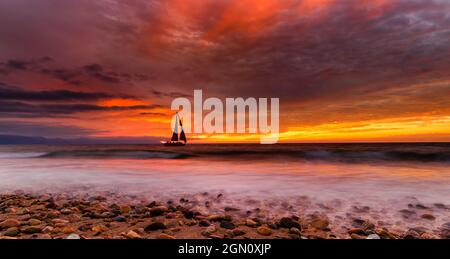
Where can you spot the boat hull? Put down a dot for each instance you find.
(173, 143)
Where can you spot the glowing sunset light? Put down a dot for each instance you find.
(356, 70)
(121, 102)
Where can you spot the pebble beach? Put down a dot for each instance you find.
(109, 216)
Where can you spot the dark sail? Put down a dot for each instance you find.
(183, 136)
(174, 137)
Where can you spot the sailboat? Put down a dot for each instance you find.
(175, 141)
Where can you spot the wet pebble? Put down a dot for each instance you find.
(53, 214)
(158, 211)
(209, 230)
(411, 234)
(152, 204)
(358, 231)
(133, 235)
(407, 213)
(73, 236)
(356, 236)
(227, 225)
(12, 232)
(251, 223)
(373, 236)
(66, 211)
(238, 232)
(155, 226)
(231, 209)
(32, 230)
(165, 236)
(265, 231)
(60, 222)
(428, 217)
(421, 206)
(47, 229)
(204, 223)
(428, 236)
(69, 229)
(321, 224)
(34, 222)
(8, 223)
(125, 209)
(294, 236)
(99, 228)
(385, 234)
(119, 219)
(273, 226)
(289, 223)
(215, 217)
(295, 231)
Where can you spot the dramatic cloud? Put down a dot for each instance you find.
(11, 107)
(160, 94)
(14, 93)
(74, 76)
(330, 61)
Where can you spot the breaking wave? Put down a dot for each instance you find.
(330, 152)
(129, 154)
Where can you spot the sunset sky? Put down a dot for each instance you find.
(344, 70)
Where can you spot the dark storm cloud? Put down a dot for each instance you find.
(160, 94)
(11, 65)
(300, 50)
(13, 108)
(159, 114)
(73, 76)
(97, 71)
(15, 93)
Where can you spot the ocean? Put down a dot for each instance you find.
(342, 181)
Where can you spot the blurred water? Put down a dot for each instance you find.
(385, 185)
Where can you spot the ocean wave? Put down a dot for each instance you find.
(339, 155)
(6, 155)
(377, 155)
(129, 154)
(336, 152)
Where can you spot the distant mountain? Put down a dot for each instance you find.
(27, 140)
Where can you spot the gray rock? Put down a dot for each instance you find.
(373, 236)
(73, 236)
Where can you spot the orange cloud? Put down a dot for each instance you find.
(246, 16)
(121, 102)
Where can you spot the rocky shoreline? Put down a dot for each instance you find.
(62, 216)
